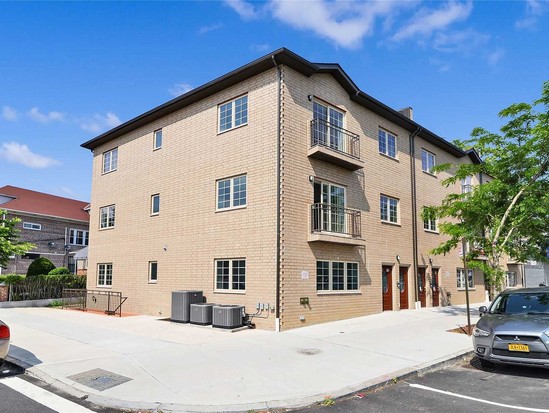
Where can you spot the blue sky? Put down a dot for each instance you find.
(72, 70)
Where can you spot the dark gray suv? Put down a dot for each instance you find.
(514, 329)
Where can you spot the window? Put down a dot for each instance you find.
(466, 186)
(327, 126)
(461, 278)
(104, 275)
(106, 217)
(427, 161)
(389, 209)
(110, 160)
(155, 204)
(336, 276)
(153, 271)
(329, 209)
(157, 139)
(510, 279)
(230, 275)
(430, 224)
(78, 237)
(32, 225)
(231, 192)
(233, 114)
(387, 143)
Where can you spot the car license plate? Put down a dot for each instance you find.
(519, 347)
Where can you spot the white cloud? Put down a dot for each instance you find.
(99, 123)
(245, 10)
(427, 21)
(260, 47)
(441, 65)
(496, 56)
(9, 114)
(180, 88)
(38, 116)
(534, 10)
(462, 41)
(18, 153)
(210, 28)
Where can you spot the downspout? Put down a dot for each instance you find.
(278, 190)
(414, 212)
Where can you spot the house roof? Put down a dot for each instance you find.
(32, 202)
(267, 62)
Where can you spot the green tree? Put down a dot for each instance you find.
(9, 239)
(509, 213)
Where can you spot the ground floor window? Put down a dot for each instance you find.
(230, 274)
(336, 276)
(510, 279)
(153, 271)
(104, 275)
(461, 278)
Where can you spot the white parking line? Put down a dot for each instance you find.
(509, 406)
(44, 397)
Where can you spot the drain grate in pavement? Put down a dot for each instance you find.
(308, 351)
(99, 379)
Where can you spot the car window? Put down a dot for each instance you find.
(521, 303)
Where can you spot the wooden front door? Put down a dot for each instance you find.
(434, 288)
(403, 287)
(387, 287)
(421, 287)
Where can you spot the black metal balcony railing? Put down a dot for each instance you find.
(327, 218)
(323, 133)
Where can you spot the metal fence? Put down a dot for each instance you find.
(109, 302)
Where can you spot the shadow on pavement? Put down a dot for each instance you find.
(516, 371)
(23, 356)
(9, 369)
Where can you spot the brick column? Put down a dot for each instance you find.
(4, 292)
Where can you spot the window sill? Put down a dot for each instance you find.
(108, 172)
(152, 282)
(104, 287)
(339, 292)
(157, 149)
(393, 158)
(430, 174)
(233, 128)
(396, 224)
(239, 292)
(155, 214)
(463, 289)
(231, 208)
(431, 231)
(105, 229)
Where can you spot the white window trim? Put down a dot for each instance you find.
(427, 154)
(155, 146)
(233, 114)
(107, 226)
(507, 274)
(152, 205)
(387, 133)
(231, 207)
(459, 275)
(32, 226)
(73, 236)
(345, 290)
(151, 280)
(110, 163)
(386, 221)
(104, 285)
(434, 231)
(230, 290)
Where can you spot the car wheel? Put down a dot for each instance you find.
(485, 364)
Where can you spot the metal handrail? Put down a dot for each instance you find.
(324, 133)
(108, 301)
(327, 218)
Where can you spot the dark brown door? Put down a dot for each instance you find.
(434, 288)
(387, 288)
(421, 285)
(403, 287)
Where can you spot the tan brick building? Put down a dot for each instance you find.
(279, 186)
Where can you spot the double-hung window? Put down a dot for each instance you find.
(466, 186)
(336, 276)
(106, 215)
(427, 161)
(110, 160)
(230, 274)
(328, 126)
(510, 279)
(389, 209)
(430, 224)
(104, 275)
(155, 204)
(461, 278)
(231, 192)
(233, 114)
(157, 141)
(32, 225)
(387, 143)
(78, 237)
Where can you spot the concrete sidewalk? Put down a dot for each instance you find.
(186, 368)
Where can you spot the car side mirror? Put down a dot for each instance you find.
(483, 310)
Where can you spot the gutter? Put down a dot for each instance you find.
(278, 191)
(414, 211)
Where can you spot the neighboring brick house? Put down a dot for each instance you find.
(57, 226)
(279, 186)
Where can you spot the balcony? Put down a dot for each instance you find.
(334, 144)
(330, 223)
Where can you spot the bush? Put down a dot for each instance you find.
(40, 266)
(13, 278)
(59, 271)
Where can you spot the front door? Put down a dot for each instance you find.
(434, 288)
(403, 287)
(421, 285)
(386, 286)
